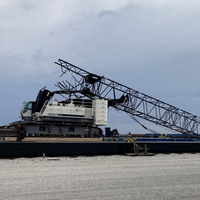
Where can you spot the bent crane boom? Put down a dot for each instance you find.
(127, 99)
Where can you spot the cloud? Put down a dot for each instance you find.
(103, 13)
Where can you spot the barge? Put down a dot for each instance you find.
(95, 146)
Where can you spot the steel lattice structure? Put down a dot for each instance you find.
(128, 100)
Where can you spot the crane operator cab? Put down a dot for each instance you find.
(26, 111)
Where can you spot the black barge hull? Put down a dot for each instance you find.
(171, 146)
(38, 149)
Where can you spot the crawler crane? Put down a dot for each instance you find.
(82, 115)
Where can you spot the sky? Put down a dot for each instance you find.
(151, 46)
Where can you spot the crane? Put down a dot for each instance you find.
(126, 99)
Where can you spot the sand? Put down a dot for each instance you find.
(164, 176)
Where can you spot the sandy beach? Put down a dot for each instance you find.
(164, 176)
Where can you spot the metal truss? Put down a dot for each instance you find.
(123, 98)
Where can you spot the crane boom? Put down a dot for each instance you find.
(126, 99)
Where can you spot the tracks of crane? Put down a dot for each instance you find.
(49, 130)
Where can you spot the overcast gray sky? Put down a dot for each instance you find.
(151, 46)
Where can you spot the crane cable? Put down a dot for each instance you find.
(150, 130)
